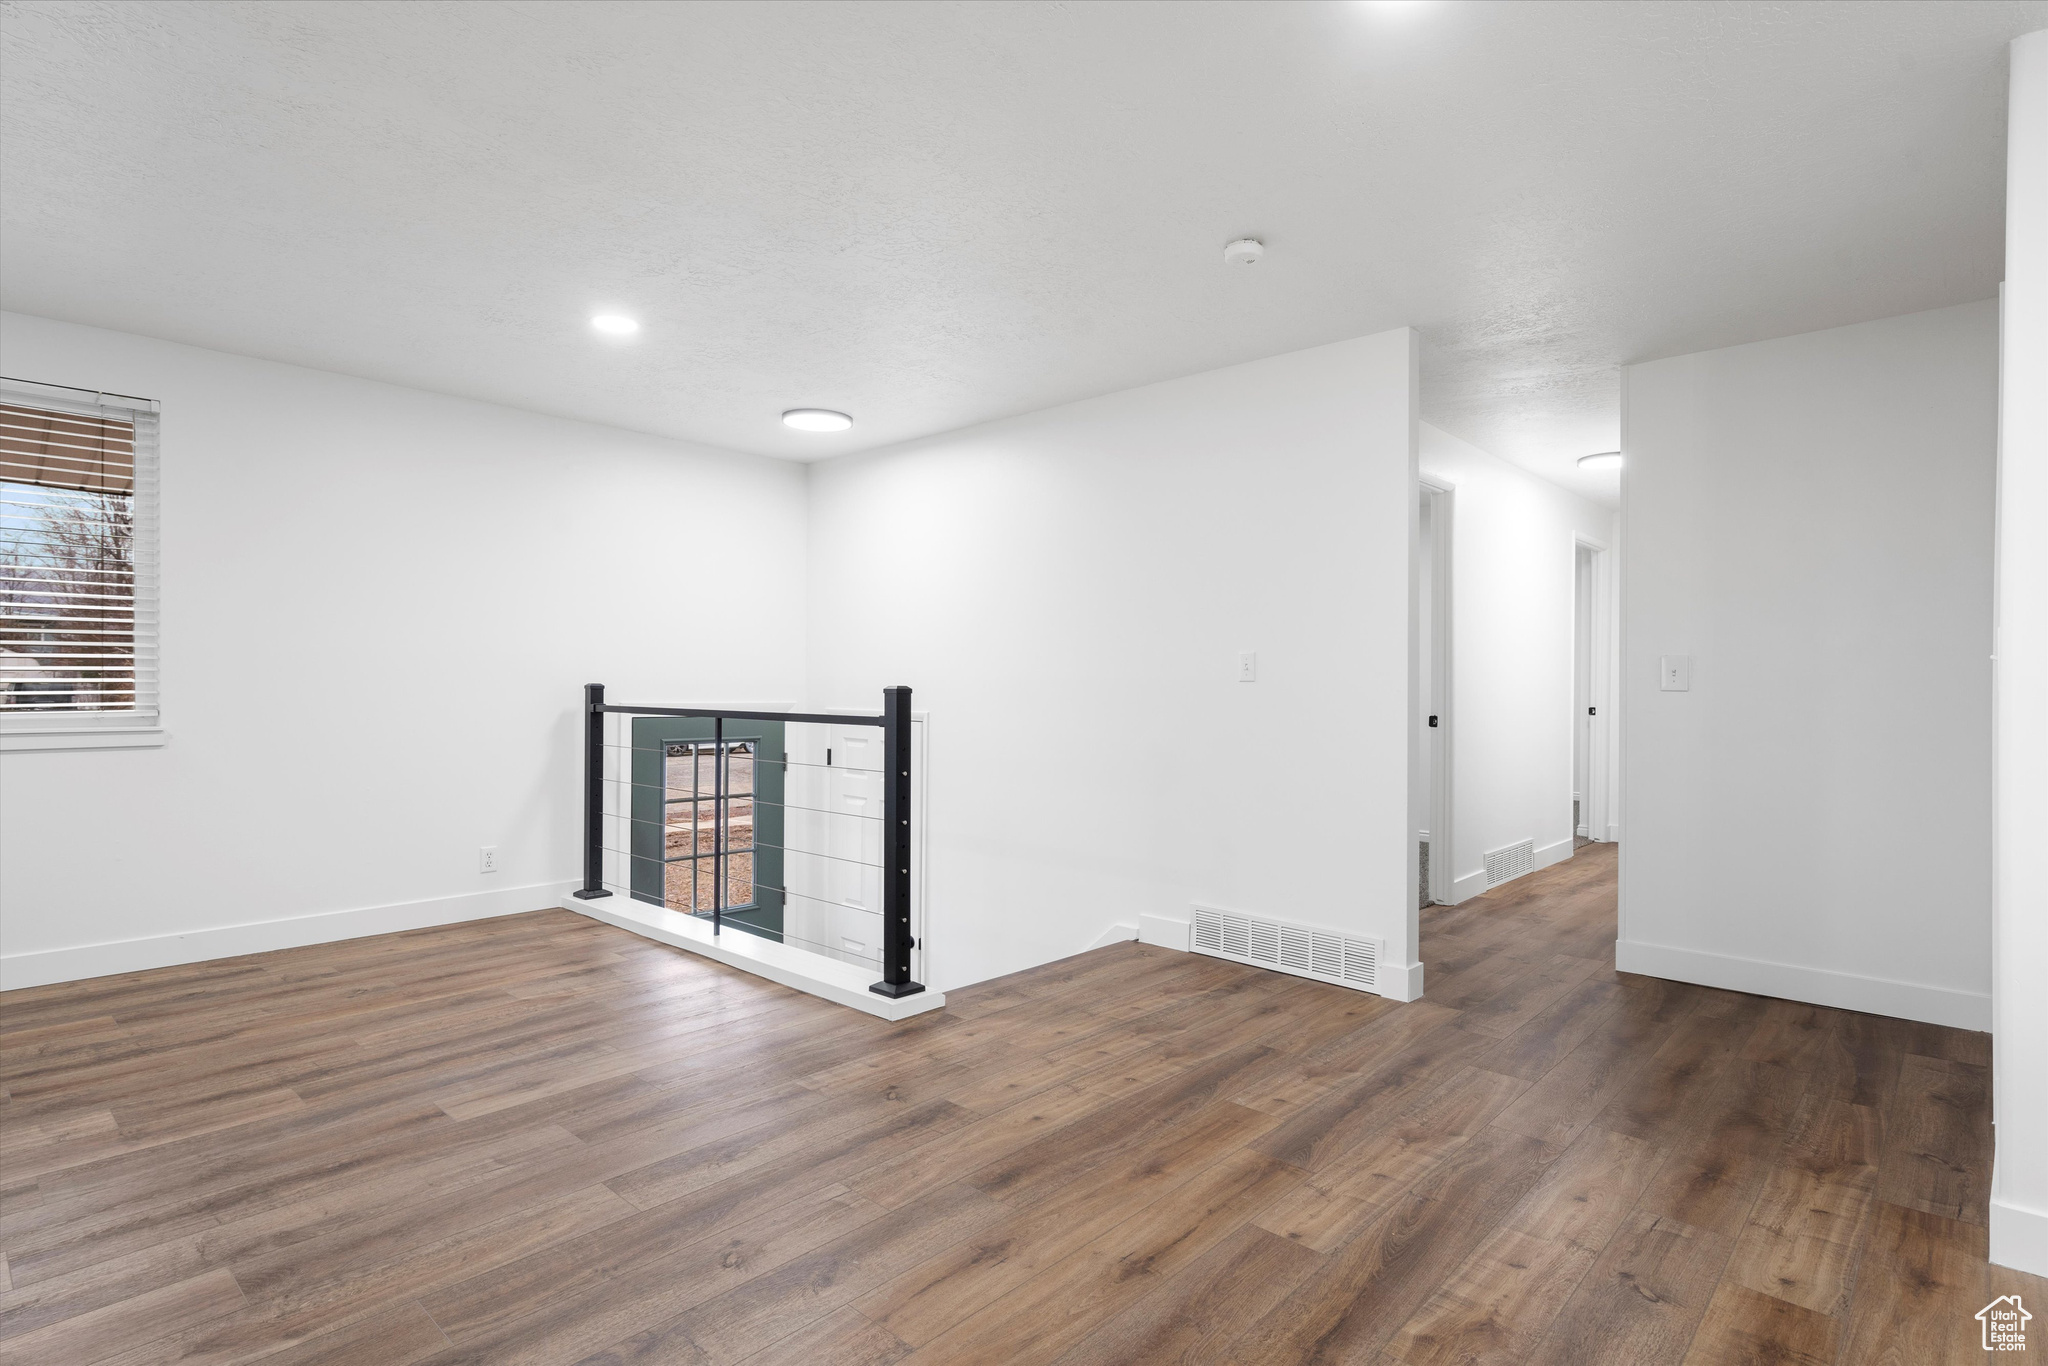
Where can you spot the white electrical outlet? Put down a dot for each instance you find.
(487, 859)
(1247, 666)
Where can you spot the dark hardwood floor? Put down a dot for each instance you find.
(542, 1140)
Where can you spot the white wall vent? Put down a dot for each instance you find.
(1504, 865)
(1302, 950)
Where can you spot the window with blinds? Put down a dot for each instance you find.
(78, 627)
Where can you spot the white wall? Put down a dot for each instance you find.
(379, 607)
(1810, 519)
(1513, 545)
(2019, 1198)
(1067, 593)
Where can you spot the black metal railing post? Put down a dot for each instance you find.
(717, 826)
(896, 939)
(593, 793)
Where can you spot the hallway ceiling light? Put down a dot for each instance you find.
(816, 420)
(615, 324)
(1605, 460)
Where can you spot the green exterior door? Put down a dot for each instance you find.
(678, 818)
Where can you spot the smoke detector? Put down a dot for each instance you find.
(1245, 251)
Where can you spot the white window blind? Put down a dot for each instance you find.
(78, 583)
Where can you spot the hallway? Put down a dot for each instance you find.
(1812, 1182)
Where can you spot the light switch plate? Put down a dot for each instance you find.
(1247, 666)
(1675, 673)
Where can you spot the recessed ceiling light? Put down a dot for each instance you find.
(615, 324)
(816, 420)
(1604, 460)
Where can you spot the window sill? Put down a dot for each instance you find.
(130, 737)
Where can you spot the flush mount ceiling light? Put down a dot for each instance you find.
(615, 324)
(1604, 460)
(816, 420)
(1245, 251)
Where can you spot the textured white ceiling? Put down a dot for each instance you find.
(934, 214)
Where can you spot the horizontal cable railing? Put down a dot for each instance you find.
(693, 806)
(781, 762)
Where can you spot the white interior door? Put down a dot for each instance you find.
(834, 842)
(1582, 693)
(853, 781)
(1434, 693)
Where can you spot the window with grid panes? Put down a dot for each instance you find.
(692, 827)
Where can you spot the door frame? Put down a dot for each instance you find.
(1600, 686)
(1437, 750)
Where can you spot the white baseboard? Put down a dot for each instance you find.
(1474, 883)
(1164, 931)
(1115, 934)
(826, 978)
(232, 941)
(1817, 986)
(1401, 981)
(2019, 1237)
